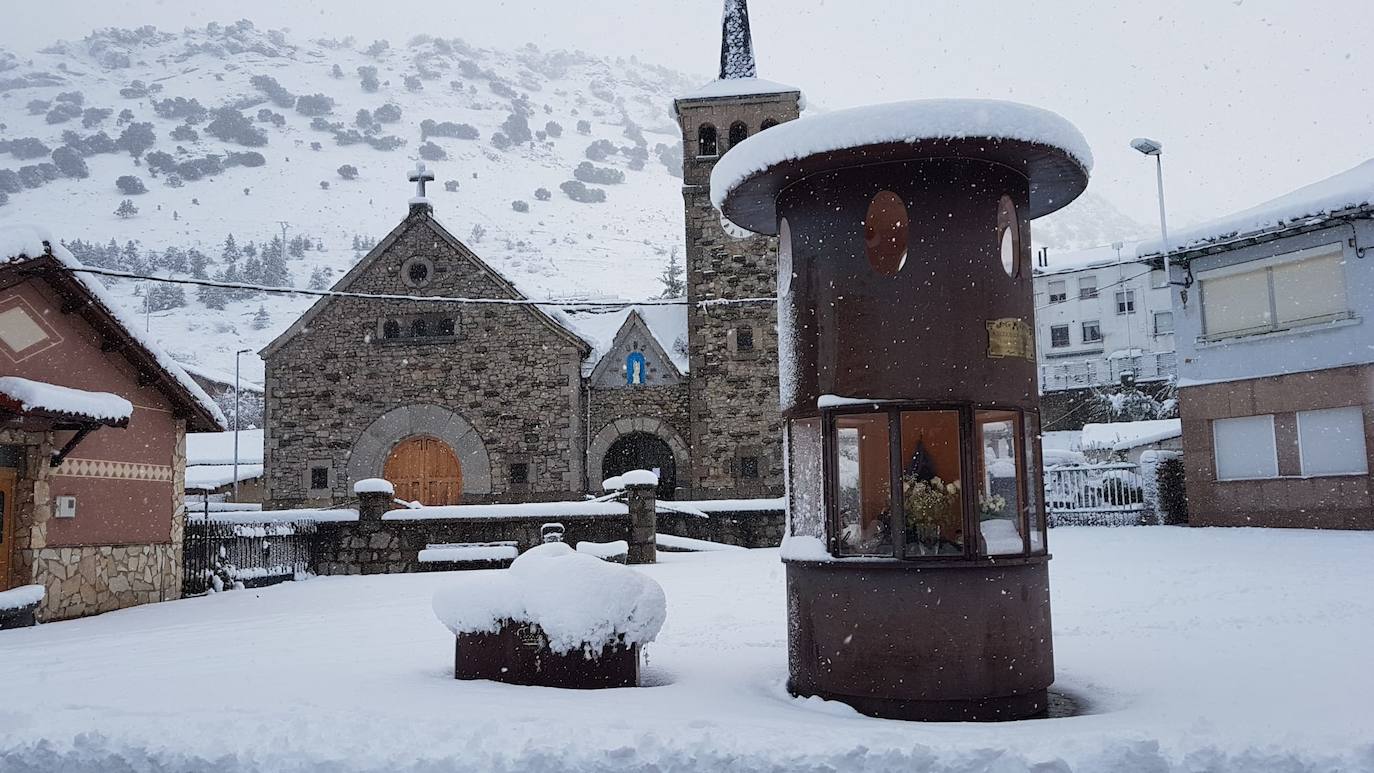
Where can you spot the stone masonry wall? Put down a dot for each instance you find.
(510, 375)
(747, 529)
(89, 579)
(668, 404)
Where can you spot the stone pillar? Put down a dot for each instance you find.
(643, 506)
(375, 497)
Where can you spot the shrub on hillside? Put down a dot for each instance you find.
(184, 133)
(314, 104)
(249, 159)
(520, 206)
(63, 112)
(368, 76)
(553, 129)
(94, 116)
(348, 172)
(180, 107)
(230, 125)
(130, 185)
(584, 127)
(601, 150)
(38, 106)
(136, 138)
(388, 113)
(28, 147)
(274, 90)
(9, 181)
(462, 131)
(126, 209)
(579, 192)
(413, 83)
(70, 163)
(71, 98)
(431, 152)
(542, 194)
(599, 175)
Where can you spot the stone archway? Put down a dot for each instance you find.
(376, 443)
(642, 451)
(609, 434)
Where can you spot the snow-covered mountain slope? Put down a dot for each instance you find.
(297, 102)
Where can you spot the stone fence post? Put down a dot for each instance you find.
(375, 497)
(643, 504)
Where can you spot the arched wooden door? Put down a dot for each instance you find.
(425, 469)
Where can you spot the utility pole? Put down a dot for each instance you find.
(284, 226)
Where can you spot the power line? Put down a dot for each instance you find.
(567, 304)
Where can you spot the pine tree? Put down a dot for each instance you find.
(252, 271)
(174, 260)
(231, 252)
(274, 273)
(130, 259)
(126, 209)
(162, 297)
(197, 261)
(261, 319)
(671, 278)
(319, 279)
(212, 297)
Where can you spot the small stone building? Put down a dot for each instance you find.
(476, 402)
(93, 422)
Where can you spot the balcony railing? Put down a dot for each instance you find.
(1100, 371)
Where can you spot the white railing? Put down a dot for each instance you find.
(1113, 494)
(1100, 371)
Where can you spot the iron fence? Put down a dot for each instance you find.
(1113, 494)
(219, 554)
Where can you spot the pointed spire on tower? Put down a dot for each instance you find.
(736, 43)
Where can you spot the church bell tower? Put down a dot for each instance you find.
(733, 348)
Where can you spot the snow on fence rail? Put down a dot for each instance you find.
(223, 553)
(1112, 494)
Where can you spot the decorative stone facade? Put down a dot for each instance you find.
(736, 425)
(88, 579)
(504, 388)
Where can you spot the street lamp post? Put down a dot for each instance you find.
(237, 354)
(1154, 148)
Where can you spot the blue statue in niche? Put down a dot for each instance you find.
(635, 368)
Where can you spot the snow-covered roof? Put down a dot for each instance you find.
(204, 477)
(909, 122)
(219, 376)
(1351, 188)
(1087, 258)
(667, 324)
(41, 396)
(218, 447)
(26, 242)
(738, 87)
(1125, 435)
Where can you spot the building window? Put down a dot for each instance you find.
(319, 478)
(768, 123)
(886, 232)
(418, 328)
(1164, 322)
(1087, 287)
(1244, 448)
(1059, 336)
(635, 368)
(738, 132)
(1008, 236)
(744, 339)
(445, 327)
(1059, 291)
(1292, 291)
(391, 329)
(520, 473)
(1092, 332)
(749, 467)
(706, 140)
(417, 271)
(1331, 442)
(1125, 301)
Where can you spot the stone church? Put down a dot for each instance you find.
(421, 392)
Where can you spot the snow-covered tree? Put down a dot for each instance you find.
(126, 209)
(671, 278)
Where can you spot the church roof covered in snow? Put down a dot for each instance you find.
(1351, 189)
(422, 216)
(667, 324)
(32, 245)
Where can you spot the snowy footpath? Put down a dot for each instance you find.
(1195, 650)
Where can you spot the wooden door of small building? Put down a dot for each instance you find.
(7, 516)
(424, 469)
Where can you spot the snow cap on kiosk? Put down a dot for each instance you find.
(1044, 146)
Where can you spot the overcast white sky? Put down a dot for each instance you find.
(1250, 98)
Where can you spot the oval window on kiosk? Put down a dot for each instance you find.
(1008, 236)
(885, 233)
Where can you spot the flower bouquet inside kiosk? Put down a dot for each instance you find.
(917, 571)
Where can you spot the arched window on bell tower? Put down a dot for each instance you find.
(706, 140)
(739, 130)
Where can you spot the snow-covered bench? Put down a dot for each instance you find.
(454, 555)
(617, 551)
(556, 618)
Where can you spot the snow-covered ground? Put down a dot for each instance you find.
(1196, 650)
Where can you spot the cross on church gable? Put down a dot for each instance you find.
(420, 175)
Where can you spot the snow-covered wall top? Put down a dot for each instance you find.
(738, 87)
(912, 122)
(1351, 188)
(37, 395)
(28, 241)
(218, 447)
(1125, 435)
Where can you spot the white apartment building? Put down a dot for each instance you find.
(1100, 315)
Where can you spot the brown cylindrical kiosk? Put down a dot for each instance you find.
(917, 570)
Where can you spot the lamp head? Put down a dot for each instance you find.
(1147, 146)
